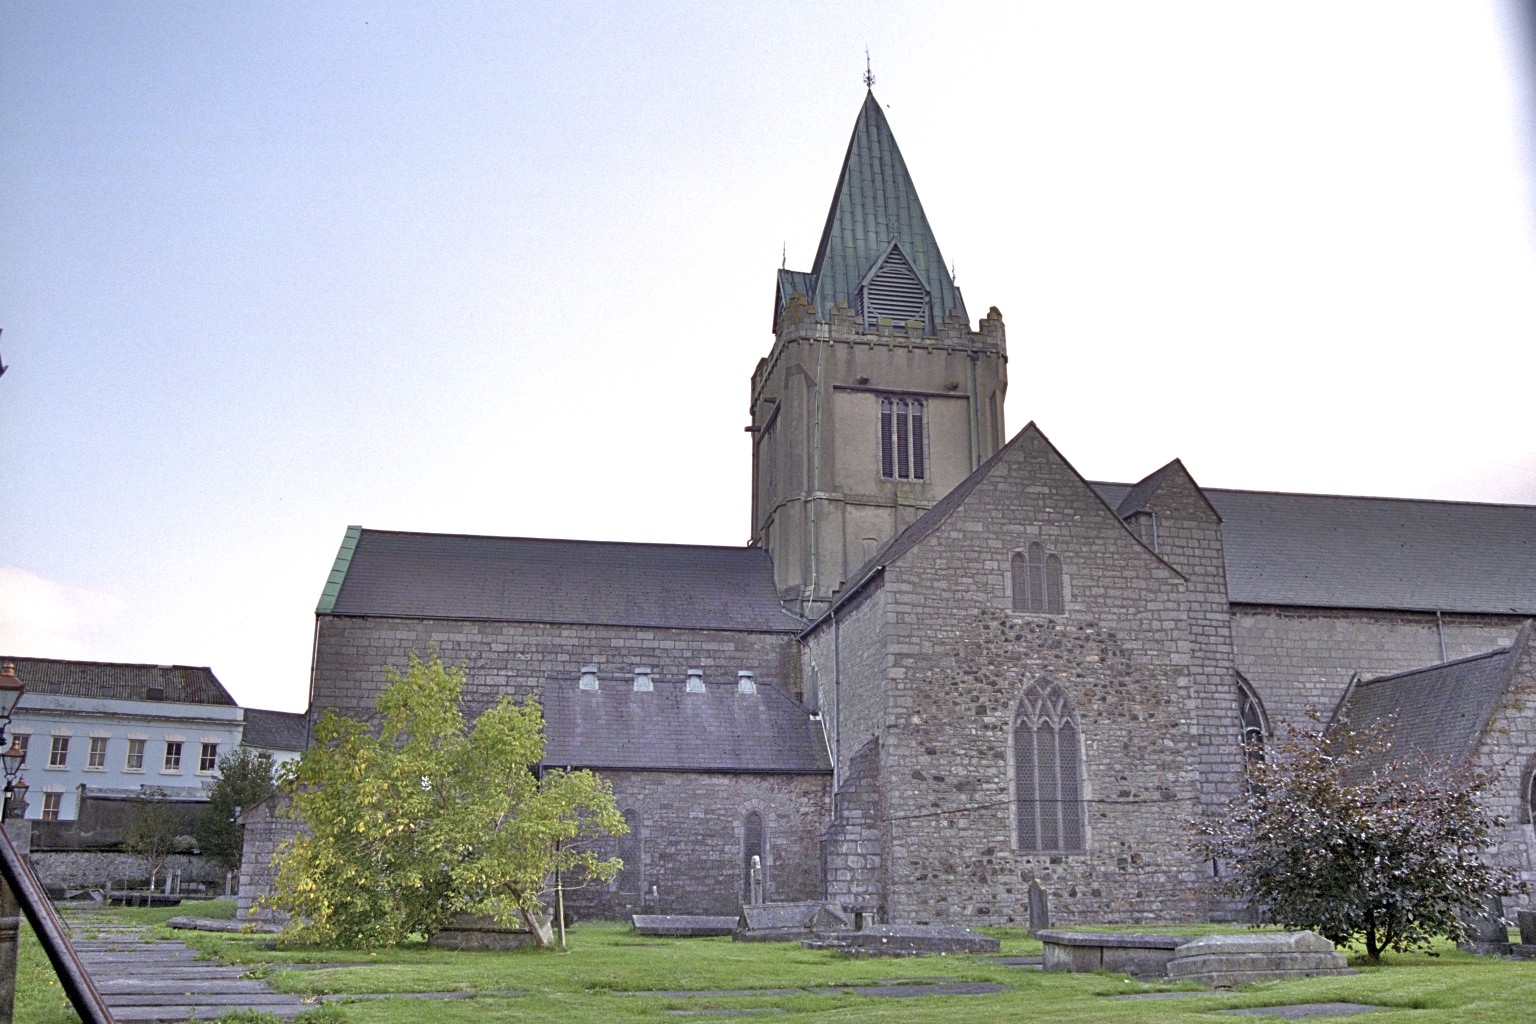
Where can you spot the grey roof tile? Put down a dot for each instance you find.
(181, 684)
(669, 729)
(520, 579)
(1333, 551)
(874, 205)
(274, 730)
(1438, 712)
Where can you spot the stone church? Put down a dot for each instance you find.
(947, 666)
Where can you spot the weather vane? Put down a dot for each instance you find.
(869, 76)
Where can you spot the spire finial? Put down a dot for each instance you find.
(869, 76)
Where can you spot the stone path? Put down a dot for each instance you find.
(143, 980)
(146, 980)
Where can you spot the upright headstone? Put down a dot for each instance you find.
(1039, 909)
(1527, 919)
(756, 895)
(1487, 931)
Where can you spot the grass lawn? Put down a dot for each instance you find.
(607, 965)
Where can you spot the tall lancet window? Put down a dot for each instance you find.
(1047, 772)
(903, 439)
(1037, 581)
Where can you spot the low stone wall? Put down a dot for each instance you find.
(93, 869)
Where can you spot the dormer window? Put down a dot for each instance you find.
(695, 680)
(893, 292)
(745, 683)
(903, 439)
(588, 677)
(643, 680)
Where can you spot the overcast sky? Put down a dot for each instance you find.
(272, 269)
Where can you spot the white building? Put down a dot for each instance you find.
(118, 729)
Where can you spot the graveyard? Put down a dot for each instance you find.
(612, 973)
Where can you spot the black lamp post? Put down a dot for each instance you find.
(11, 690)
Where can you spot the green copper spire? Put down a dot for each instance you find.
(874, 210)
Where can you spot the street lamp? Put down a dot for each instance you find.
(11, 690)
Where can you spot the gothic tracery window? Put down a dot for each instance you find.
(1250, 713)
(1047, 772)
(1037, 581)
(754, 843)
(631, 877)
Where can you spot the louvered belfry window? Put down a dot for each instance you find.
(1047, 780)
(903, 439)
(895, 293)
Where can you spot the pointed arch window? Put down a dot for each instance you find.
(1036, 576)
(903, 438)
(1047, 772)
(1251, 717)
(1528, 803)
(894, 292)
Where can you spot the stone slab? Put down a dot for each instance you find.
(683, 925)
(1526, 919)
(1227, 961)
(217, 924)
(1298, 1011)
(1137, 953)
(906, 940)
(788, 922)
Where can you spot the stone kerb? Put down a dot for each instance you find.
(790, 922)
(1226, 961)
(906, 940)
(1141, 954)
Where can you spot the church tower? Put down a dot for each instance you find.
(877, 397)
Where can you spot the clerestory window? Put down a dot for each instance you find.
(903, 439)
(1047, 772)
(1037, 581)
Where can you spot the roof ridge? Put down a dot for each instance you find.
(566, 540)
(1336, 497)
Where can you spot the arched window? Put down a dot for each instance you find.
(1037, 581)
(1528, 805)
(1251, 717)
(754, 843)
(1047, 772)
(631, 851)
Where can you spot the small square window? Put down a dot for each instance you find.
(53, 804)
(135, 762)
(96, 757)
(173, 755)
(58, 752)
(208, 759)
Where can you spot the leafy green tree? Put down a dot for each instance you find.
(1336, 835)
(427, 817)
(245, 778)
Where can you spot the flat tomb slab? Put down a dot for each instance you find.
(682, 925)
(1299, 1010)
(1226, 961)
(1138, 953)
(906, 940)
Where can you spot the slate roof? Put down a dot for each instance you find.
(669, 729)
(1440, 712)
(181, 684)
(520, 579)
(274, 730)
(874, 204)
(1332, 551)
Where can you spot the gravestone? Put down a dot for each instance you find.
(682, 925)
(790, 922)
(1527, 919)
(1226, 961)
(1039, 909)
(1141, 954)
(1487, 931)
(483, 932)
